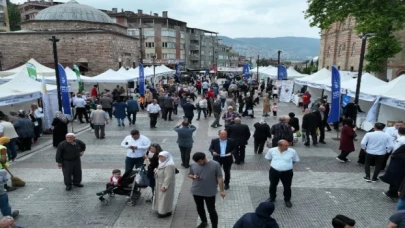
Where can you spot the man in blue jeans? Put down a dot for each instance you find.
(4, 204)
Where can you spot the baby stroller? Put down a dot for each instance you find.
(129, 185)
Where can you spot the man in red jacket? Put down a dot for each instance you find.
(306, 99)
(94, 92)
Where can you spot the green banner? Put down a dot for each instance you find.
(32, 71)
(79, 80)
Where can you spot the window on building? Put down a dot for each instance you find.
(149, 33)
(182, 46)
(182, 56)
(220, 57)
(210, 53)
(202, 63)
(168, 33)
(169, 56)
(353, 49)
(133, 32)
(150, 44)
(202, 52)
(182, 36)
(328, 54)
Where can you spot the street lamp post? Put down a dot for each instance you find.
(363, 37)
(258, 57)
(154, 58)
(1, 57)
(278, 57)
(55, 58)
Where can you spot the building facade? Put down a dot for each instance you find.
(30, 9)
(341, 46)
(4, 23)
(88, 38)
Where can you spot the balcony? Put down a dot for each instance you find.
(194, 36)
(194, 57)
(194, 47)
(193, 65)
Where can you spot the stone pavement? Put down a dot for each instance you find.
(322, 187)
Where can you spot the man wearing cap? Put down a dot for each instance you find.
(68, 158)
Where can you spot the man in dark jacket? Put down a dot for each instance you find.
(132, 109)
(262, 132)
(222, 150)
(188, 109)
(322, 121)
(217, 113)
(185, 141)
(260, 218)
(281, 131)
(162, 103)
(169, 105)
(309, 125)
(68, 158)
(241, 134)
(325, 104)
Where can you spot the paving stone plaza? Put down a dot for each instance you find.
(322, 187)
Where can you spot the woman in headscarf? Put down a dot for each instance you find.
(260, 219)
(165, 184)
(60, 128)
(153, 163)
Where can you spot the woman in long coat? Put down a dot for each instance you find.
(346, 140)
(395, 172)
(60, 128)
(153, 163)
(165, 185)
(266, 106)
(119, 112)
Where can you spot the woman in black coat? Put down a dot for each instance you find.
(395, 173)
(60, 128)
(262, 132)
(294, 122)
(153, 163)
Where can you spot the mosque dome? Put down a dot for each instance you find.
(73, 11)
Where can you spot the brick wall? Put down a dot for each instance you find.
(37, 25)
(102, 50)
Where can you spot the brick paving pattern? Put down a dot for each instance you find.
(322, 187)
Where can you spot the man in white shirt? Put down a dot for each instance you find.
(281, 168)
(376, 144)
(80, 105)
(393, 131)
(153, 110)
(205, 85)
(202, 106)
(136, 146)
(400, 140)
(7, 129)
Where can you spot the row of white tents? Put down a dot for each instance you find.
(272, 72)
(390, 95)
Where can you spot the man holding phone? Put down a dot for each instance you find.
(136, 146)
(206, 175)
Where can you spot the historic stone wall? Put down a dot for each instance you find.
(39, 25)
(102, 50)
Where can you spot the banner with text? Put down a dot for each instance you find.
(286, 91)
(141, 79)
(334, 115)
(281, 72)
(246, 70)
(64, 90)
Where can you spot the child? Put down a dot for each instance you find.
(274, 109)
(114, 182)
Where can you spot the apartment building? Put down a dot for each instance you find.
(227, 57)
(30, 9)
(4, 24)
(202, 49)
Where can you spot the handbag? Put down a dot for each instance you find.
(298, 133)
(142, 180)
(250, 112)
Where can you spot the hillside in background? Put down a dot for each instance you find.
(294, 48)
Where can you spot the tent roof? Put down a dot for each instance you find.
(41, 69)
(393, 89)
(320, 75)
(21, 85)
(130, 72)
(327, 81)
(109, 76)
(292, 73)
(367, 81)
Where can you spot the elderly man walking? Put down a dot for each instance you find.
(281, 168)
(153, 112)
(99, 118)
(217, 113)
(185, 141)
(68, 158)
(241, 134)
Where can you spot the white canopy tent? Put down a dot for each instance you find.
(109, 76)
(367, 81)
(21, 89)
(293, 74)
(41, 69)
(320, 75)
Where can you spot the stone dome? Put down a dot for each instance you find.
(73, 11)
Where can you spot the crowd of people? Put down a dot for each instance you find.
(229, 104)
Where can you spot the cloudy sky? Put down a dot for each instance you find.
(233, 18)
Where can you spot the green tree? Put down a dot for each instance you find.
(14, 16)
(384, 18)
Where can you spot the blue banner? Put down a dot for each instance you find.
(246, 70)
(64, 89)
(334, 115)
(345, 100)
(141, 80)
(178, 72)
(281, 72)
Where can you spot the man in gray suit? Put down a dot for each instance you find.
(185, 141)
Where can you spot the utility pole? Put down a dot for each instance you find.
(258, 57)
(141, 44)
(55, 58)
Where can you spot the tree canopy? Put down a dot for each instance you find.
(14, 16)
(383, 17)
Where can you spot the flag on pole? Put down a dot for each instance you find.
(246, 70)
(46, 107)
(32, 71)
(141, 80)
(334, 115)
(79, 80)
(64, 89)
(281, 72)
(178, 72)
(372, 114)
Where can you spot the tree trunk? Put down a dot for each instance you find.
(383, 73)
